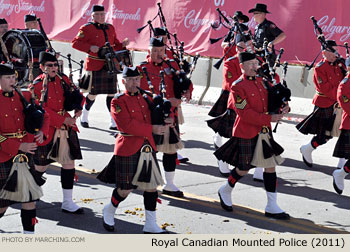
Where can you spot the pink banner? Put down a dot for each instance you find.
(191, 21)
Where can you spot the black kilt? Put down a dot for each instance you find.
(238, 152)
(223, 124)
(318, 122)
(121, 171)
(220, 105)
(5, 169)
(103, 83)
(342, 147)
(40, 156)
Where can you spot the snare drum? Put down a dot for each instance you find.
(24, 46)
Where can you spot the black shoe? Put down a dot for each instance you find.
(84, 124)
(278, 216)
(306, 162)
(165, 232)
(78, 211)
(224, 174)
(336, 187)
(109, 228)
(113, 128)
(178, 194)
(258, 180)
(183, 160)
(224, 206)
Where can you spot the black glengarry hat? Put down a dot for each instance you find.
(7, 69)
(260, 8)
(156, 42)
(97, 7)
(130, 72)
(159, 31)
(46, 56)
(29, 17)
(245, 56)
(3, 21)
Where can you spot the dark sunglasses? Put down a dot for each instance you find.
(51, 65)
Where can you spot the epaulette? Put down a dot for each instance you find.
(237, 81)
(116, 96)
(320, 63)
(143, 62)
(89, 23)
(345, 80)
(232, 58)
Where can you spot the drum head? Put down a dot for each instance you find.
(24, 46)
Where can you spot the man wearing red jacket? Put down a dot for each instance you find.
(132, 114)
(342, 146)
(15, 140)
(251, 103)
(62, 144)
(91, 39)
(327, 75)
(154, 64)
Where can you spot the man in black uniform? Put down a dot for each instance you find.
(265, 28)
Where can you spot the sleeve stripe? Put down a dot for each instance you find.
(241, 105)
(2, 139)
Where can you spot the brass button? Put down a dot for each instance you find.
(18, 119)
(6, 115)
(142, 106)
(12, 99)
(15, 109)
(132, 111)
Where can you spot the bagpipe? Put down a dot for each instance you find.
(72, 97)
(181, 82)
(160, 106)
(278, 93)
(325, 46)
(34, 113)
(185, 65)
(235, 28)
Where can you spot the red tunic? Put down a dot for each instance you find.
(89, 35)
(326, 79)
(250, 98)
(133, 117)
(12, 121)
(343, 97)
(54, 105)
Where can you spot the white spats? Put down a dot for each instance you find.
(151, 226)
(68, 205)
(306, 150)
(85, 116)
(108, 214)
(258, 174)
(271, 206)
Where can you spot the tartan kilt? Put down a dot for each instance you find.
(223, 124)
(238, 152)
(220, 105)
(342, 147)
(40, 156)
(5, 169)
(121, 171)
(318, 122)
(103, 83)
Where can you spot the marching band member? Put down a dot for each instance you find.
(91, 39)
(17, 144)
(343, 144)
(132, 114)
(247, 148)
(154, 64)
(327, 76)
(62, 144)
